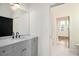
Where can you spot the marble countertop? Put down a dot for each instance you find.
(9, 41)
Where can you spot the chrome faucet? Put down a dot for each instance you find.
(17, 34)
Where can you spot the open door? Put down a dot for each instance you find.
(62, 31)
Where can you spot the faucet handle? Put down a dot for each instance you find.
(13, 35)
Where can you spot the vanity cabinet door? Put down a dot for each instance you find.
(6, 51)
(22, 48)
(18, 47)
(26, 51)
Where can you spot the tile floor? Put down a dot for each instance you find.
(59, 49)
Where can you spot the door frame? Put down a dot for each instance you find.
(51, 31)
(65, 18)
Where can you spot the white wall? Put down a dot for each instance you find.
(21, 21)
(39, 24)
(5, 10)
(71, 10)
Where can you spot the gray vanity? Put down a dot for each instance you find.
(27, 46)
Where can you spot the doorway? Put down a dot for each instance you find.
(62, 31)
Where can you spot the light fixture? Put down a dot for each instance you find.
(18, 6)
(15, 6)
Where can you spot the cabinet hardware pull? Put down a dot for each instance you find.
(24, 49)
(3, 51)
